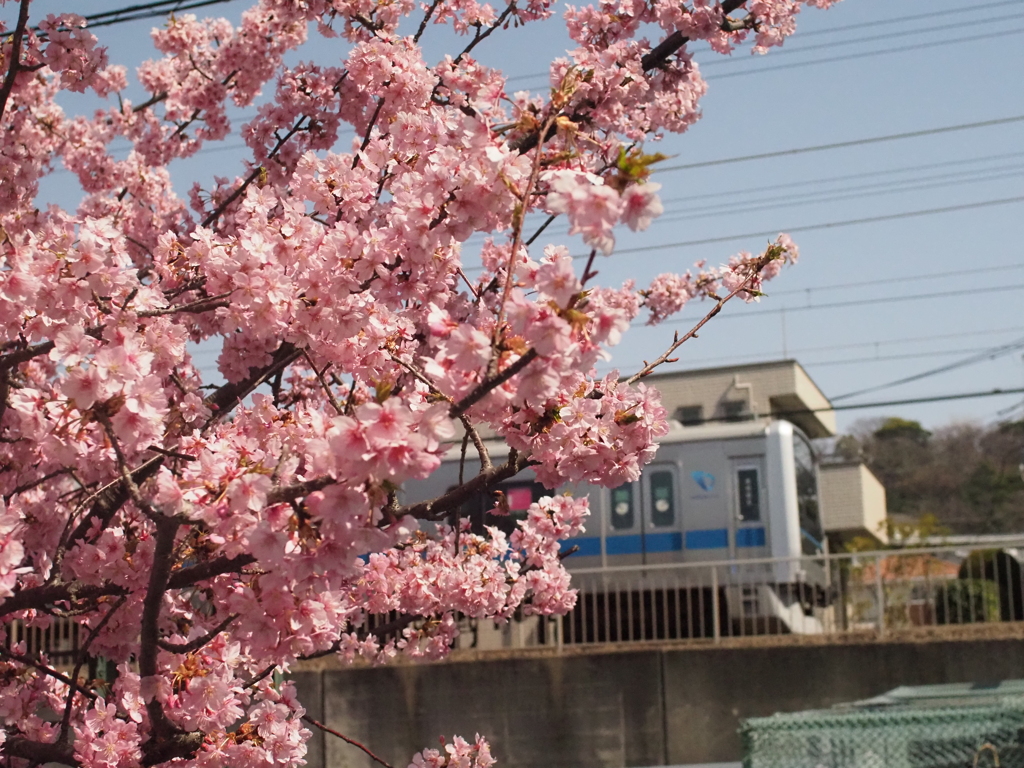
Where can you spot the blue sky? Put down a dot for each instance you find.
(869, 303)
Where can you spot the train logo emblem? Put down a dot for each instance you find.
(705, 480)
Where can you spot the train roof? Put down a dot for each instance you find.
(677, 434)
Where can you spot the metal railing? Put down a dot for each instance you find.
(827, 594)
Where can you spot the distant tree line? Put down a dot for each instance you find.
(967, 478)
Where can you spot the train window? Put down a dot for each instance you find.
(750, 495)
(504, 514)
(811, 533)
(622, 507)
(663, 510)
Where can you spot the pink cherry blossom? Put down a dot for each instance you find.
(208, 528)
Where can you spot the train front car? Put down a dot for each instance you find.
(719, 535)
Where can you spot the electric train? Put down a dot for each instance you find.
(740, 497)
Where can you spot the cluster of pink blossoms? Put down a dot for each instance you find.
(207, 532)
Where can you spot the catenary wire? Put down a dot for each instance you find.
(858, 40)
(815, 227)
(845, 28)
(869, 54)
(987, 354)
(813, 148)
(848, 177)
(890, 403)
(764, 204)
(960, 292)
(711, 361)
(756, 359)
(844, 144)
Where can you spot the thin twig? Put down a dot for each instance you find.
(541, 228)
(256, 678)
(587, 274)
(479, 37)
(44, 669)
(369, 130)
(426, 20)
(240, 190)
(513, 251)
(83, 655)
(346, 739)
(692, 333)
(323, 383)
(472, 288)
(199, 305)
(199, 642)
(481, 449)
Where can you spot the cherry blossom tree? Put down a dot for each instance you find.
(203, 537)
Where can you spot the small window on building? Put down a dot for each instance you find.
(663, 500)
(690, 415)
(623, 516)
(735, 410)
(750, 495)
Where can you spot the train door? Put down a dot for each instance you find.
(750, 509)
(662, 534)
(624, 534)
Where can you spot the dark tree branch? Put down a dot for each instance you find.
(224, 399)
(436, 508)
(149, 633)
(14, 66)
(193, 574)
(298, 490)
(83, 656)
(37, 752)
(490, 384)
(194, 645)
(657, 56)
(39, 598)
(30, 662)
(240, 189)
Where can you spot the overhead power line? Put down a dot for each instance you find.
(890, 403)
(988, 354)
(1001, 158)
(880, 404)
(974, 8)
(842, 144)
(902, 35)
(892, 279)
(737, 207)
(870, 54)
(960, 292)
(965, 8)
(814, 227)
(704, 362)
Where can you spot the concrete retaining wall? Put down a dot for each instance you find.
(625, 708)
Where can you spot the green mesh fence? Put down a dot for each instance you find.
(941, 737)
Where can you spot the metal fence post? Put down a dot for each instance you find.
(879, 595)
(715, 607)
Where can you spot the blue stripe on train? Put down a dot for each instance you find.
(589, 546)
(663, 542)
(750, 537)
(623, 545)
(712, 538)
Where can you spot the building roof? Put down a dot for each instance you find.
(778, 389)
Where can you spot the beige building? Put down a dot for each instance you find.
(852, 501)
(851, 497)
(739, 392)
